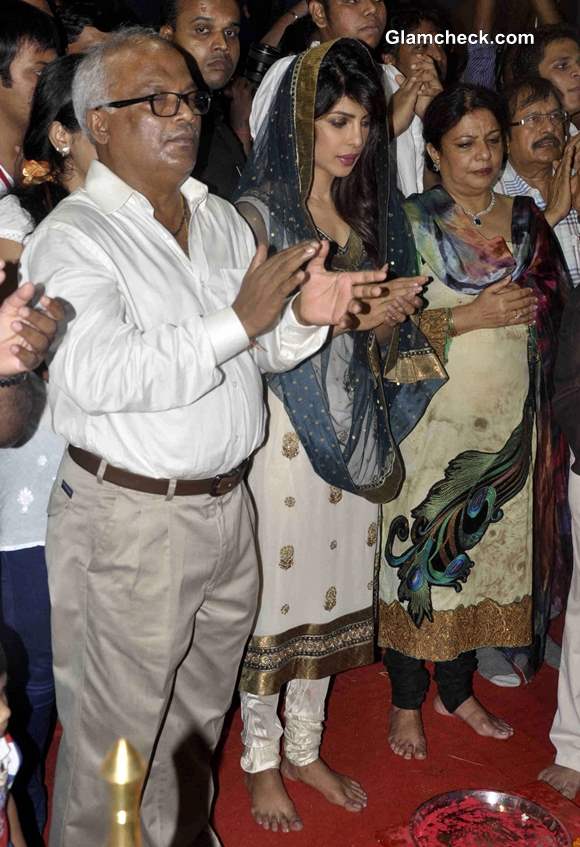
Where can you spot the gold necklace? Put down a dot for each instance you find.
(185, 215)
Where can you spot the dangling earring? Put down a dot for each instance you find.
(64, 151)
(435, 166)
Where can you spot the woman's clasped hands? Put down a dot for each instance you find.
(502, 304)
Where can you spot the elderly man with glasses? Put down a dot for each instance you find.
(543, 164)
(157, 388)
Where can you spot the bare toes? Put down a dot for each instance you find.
(356, 796)
(562, 779)
(478, 718)
(498, 726)
(353, 806)
(355, 789)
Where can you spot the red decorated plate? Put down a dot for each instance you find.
(485, 819)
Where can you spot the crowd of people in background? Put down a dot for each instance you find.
(289, 375)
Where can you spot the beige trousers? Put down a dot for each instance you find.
(565, 733)
(152, 603)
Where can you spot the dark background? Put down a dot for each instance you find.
(515, 14)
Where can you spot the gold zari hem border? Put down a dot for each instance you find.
(308, 652)
(417, 366)
(487, 624)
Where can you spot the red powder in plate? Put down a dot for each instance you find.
(468, 822)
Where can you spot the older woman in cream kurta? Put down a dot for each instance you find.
(461, 546)
(477, 409)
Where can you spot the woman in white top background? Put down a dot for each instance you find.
(56, 159)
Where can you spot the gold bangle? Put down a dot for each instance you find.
(451, 331)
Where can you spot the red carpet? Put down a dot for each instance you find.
(355, 742)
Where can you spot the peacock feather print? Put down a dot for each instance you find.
(455, 516)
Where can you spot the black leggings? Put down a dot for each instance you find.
(410, 679)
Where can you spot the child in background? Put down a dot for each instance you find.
(10, 832)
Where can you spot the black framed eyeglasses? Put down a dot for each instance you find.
(558, 116)
(166, 104)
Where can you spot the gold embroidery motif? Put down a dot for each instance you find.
(330, 599)
(286, 557)
(333, 545)
(335, 495)
(372, 535)
(290, 445)
(290, 501)
(434, 324)
(488, 624)
(311, 651)
(285, 609)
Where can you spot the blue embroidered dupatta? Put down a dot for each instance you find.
(336, 400)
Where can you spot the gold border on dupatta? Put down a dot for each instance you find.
(303, 93)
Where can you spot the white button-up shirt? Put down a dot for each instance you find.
(155, 373)
(409, 145)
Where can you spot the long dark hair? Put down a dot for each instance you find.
(52, 101)
(348, 72)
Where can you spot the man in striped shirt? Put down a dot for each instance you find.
(543, 165)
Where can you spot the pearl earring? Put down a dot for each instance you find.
(64, 151)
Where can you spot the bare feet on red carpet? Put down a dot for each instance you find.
(272, 808)
(335, 787)
(472, 712)
(564, 780)
(406, 734)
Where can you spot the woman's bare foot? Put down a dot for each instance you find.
(272, 808)
(406, 734)
(335, 787)
(564, 780)
(472, 712)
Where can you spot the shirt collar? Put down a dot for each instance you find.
(516, 184)
(110, 192)
(511, 174)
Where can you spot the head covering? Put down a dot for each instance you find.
(336, 399)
